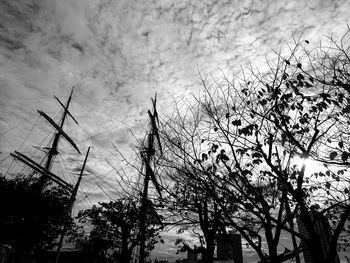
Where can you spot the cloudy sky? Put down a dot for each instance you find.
(119, 53)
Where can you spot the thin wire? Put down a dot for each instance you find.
(25, 139)
(93, 137)
(110, 198)
(7, 140)
(13, 159)
(107, 183)
(8, 156)
(69, 176)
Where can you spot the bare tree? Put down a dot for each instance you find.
(261, 129)
(189, 207)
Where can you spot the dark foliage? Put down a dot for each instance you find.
(115, 233)
(31, 221)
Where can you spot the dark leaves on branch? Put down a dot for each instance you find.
(341, 144)
(333, 155)
(308, 85)
(300, 76)
(248, 206)
(237, 122)
(204, 157)
(256, 155)
(248, 130)
(345, 156)
(214, 147)
(263, 102)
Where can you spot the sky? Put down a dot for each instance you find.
(119, 53)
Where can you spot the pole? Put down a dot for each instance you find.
(147, 158)
(53, 149)
(143, 209)
(71, 201)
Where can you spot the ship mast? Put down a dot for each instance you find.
(71, 203)
(45, 171)
(147, 156)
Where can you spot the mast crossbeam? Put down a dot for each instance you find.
(59, 129)
(65, 108)
(37, 167)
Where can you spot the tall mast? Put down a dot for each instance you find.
(147, 156)
(71, 203)
(44, 171)
(53, 150)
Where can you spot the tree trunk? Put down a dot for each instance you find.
(208, 254)
(313, 242)
(125, 253)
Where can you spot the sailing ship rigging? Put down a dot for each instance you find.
(45, 171)
(147, 156)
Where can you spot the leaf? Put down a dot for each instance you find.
(263, 102)
(237, 122)
(307, 84)
(248, 206)
(333, 155)
(256, 155)
(344, 156)
(204, 157)
(257, 161)
(300, 76)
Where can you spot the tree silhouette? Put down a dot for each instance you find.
(189, 207)
(31, 221)
(251, 137)
(115, 231)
